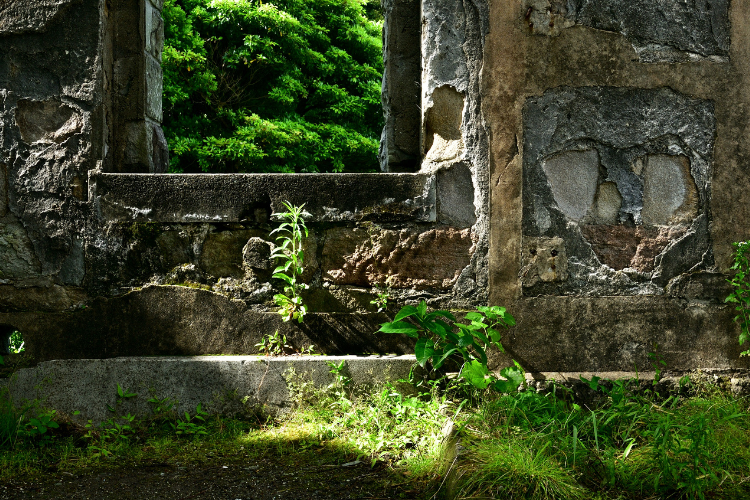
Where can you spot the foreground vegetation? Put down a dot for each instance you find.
(630, 444)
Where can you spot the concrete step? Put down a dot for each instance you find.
(221, 384)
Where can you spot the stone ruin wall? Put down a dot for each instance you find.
(579, 162)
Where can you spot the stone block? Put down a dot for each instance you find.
(154, 32)
(157, 4)
(154, 86)
(222, 252)
(455, 196)
(41, 299)
(47, 121)
(3, 189)
(142, 148)
(129, 29)
(407, 258)
(24, 16)
(17, 257)
(129, 88)
(89, 386)
(246, 197)
(180, 320)
(401, 92)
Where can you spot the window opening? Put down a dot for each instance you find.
(283, 87)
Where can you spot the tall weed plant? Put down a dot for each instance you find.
(290, 256)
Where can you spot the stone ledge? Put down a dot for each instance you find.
(218, 383)
(174, 198)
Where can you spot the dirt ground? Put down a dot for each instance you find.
(266, 479)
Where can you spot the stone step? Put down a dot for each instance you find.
(221, 384)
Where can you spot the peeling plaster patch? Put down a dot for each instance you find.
(47, 121)
(659, 31)
(443, 120)
(621, 175)
(573, 177)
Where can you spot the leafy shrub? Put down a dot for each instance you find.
(288, 86)
(438, 341)
(741, 294)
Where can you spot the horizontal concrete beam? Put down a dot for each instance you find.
(221, 384)
(239, 197)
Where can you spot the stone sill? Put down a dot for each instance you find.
(217, 198)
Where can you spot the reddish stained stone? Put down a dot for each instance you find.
(630, 246)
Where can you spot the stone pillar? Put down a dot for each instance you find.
(138, 42)
(399, 144)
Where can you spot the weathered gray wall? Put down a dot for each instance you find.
(619, 156)
(578, 162)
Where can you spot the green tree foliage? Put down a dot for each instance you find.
(281, 86)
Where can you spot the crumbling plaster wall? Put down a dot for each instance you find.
(619, 152)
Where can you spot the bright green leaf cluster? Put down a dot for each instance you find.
(438, 341)
(741, 294)
(288, 86)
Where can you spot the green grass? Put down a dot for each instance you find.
(630, 445)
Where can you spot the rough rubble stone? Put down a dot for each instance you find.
(256, 254)
(607, 204)
(3, 189)
(222, 253)
(49, 121)
(544, 260)
(25, 16)
(401, 259)
(17, 257)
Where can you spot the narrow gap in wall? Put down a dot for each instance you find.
(11, 340)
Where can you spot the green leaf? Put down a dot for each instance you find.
(400, 327)
(474, 316)
(424, 351)
(514, 378)
(405, 312)
(476, 373)
(422, 309)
